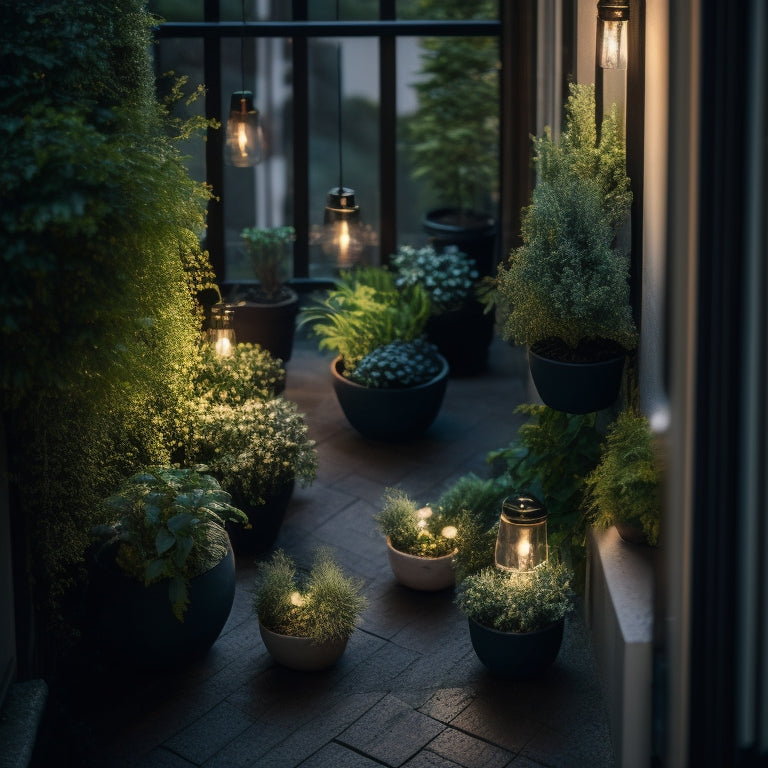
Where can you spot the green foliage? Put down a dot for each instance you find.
(98, 228)
(325, 605)
(566, 281)
(475, 504)
(624, 486)
(453, 136)
(416, 530)
(551, 457)
(268, 250)
(398, 364)
(365, 311)
(169, 526)
(255, 448)
(448, 276)
(249, 372)
(514, 601)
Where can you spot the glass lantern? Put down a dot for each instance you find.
(221, 334)
(521, 544)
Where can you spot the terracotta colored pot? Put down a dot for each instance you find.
(428, 574)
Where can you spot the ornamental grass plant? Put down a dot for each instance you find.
(323, 604)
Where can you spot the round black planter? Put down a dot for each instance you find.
(576, 387)
(474, 233)
(516, 655)
(265, 520)
(135, 626)
(271, 326)
(463, 337)
(390, 415)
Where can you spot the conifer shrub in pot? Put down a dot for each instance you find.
(389, 381)
(623, 489)
(516, 619)
(163, 577)
(565, 292)
(306, 619)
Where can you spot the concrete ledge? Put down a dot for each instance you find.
(19, 720)
(619, 614)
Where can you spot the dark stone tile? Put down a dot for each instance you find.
(447, 703)
(391, 732)
(338, 756)
(214, 730)
(587, 746)
(429, 759)
(469, 752)
(161, 758)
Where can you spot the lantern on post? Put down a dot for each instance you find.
(521, 544)
(221, 334)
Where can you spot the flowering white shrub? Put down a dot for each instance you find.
(448, 277)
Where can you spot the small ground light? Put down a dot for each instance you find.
(221, 334)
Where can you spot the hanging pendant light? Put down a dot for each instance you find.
(244, 147)
(342, 238)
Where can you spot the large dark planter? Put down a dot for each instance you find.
(390, 414)
(265, 521)
(271, 326)
(463, 337)
(576, 387)
(474, 233)
(135, 626)
(516, 655)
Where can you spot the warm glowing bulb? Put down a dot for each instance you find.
(424, 513)
(242, 140)
(449, 532)
(342, 239)
(613, 44)
(297, 599)
(223, 347)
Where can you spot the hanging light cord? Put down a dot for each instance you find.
(242, 44)
(338, 97)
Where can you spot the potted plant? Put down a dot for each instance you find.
(266, 314)
(390, 382)
(421, 542)
(250, 371)
(164, 574)
(453, 134)
(623, 489)
(565, 292)
(258, 449)
(458, 325)
(306, 620)
(516, 618)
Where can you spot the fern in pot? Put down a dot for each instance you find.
(565, 291)
(306, 618)
(390, 381)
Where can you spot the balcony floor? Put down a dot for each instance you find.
(409, 690)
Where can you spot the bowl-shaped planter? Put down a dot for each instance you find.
(428, 574)
(396, 414)
(576, 387)
(302, 653)
(516, 655)
(134, 624)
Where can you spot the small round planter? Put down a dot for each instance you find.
(302, 653)
(576, 387)
(428, 574)
(516, 655)
(271, 326)
(265, 520)
(390, 415)
(134, 624)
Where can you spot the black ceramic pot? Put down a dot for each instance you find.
(390, 414)
(271, 326)
(265, 522)
(463, 337)
(135, 626)
(472, 232)
(576, 387)
(517, 655)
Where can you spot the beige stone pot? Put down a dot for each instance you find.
(428, 574)
(302, 653)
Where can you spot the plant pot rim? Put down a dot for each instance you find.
(616, 353)
(292, 297)
(313, 640)
(477, 220)
(545, 628)
(338, 362)
(408, 555)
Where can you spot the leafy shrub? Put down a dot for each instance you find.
(268, 251)
(514, 601)
(325, 605)
(398, 364)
